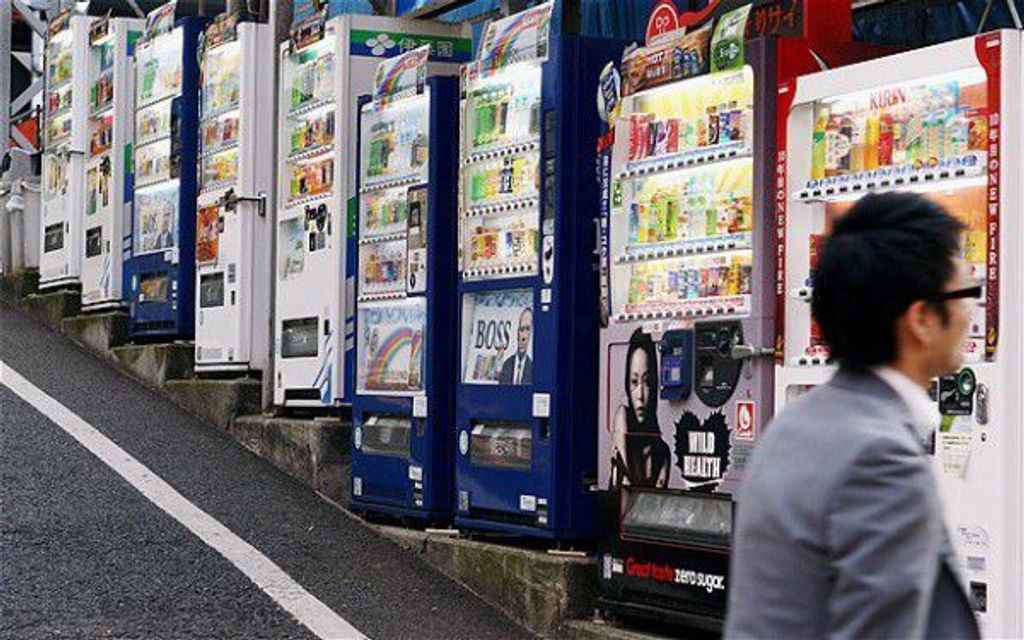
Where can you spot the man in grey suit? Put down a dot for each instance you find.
(839, 529)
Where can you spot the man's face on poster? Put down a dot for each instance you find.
(525, 331)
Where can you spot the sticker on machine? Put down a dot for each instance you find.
(291, 254)
(702, 450)
(527, 503)
(746, 416)
(548, 258)
(207, 235)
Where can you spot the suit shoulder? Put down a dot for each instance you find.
(839, 416)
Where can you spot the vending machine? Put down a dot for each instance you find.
(160, 262)
(945, 121)
(232, 242)
(64, 149)
(525, 460)
(688, 183)
(403, 406)
(108, 172)
(325, 66)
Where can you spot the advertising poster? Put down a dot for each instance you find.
(676, 445)
(291, 254)
(681, 55)
(208, 235)
(727, 42)
(498, 337)
(157, 218)
(523, 36)
(391, 346)
(401, 76)
(161, 19)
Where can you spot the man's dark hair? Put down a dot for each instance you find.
(889, 251)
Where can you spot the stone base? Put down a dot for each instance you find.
(100, 332)
(15, 286)
(52, 308)
(540, 590)
(602, 630)
(316, 452)
(216, 401)
(156, 364)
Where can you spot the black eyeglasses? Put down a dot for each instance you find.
(974, 292)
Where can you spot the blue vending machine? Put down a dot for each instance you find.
(525, 410)
(160, 253)
(407, 340)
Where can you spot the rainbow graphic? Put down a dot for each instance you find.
(382, 371)
(391, 73)
(503, 44)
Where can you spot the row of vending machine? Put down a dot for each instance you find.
(555, 313)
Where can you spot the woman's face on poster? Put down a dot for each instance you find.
(639, 384)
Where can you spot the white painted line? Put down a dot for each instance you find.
(269, 577)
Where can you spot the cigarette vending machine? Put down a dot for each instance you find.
(525, 460)
(160, 265)
(108, 173)
(407, 341)
(232, 243)
(64, 148)
(324, 68)
(945, 121)
(686, 383)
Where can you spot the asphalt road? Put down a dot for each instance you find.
(83, 554)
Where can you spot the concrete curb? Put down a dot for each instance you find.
(51, 308)
(317, 452)
(156, 364)
(602, 630)
(16, 286)
(540, 590)
(100, 332)
(218, 402)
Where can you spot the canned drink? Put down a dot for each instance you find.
(635, 132)
(673, 281)
(733, 281)
(672, 144)
(746, 274)
(694, 290)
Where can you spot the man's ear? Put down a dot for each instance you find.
(918, 322)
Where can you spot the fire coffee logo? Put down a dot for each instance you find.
(702, 450)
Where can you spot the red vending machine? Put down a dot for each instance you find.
(688, 178)
(946, 122)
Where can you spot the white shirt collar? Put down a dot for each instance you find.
(923, 412)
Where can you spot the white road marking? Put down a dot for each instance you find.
(269, 577)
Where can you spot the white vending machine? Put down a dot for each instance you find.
(64, 148)
(235, 174)
(945, 121)
(106, 223)
(325, 67)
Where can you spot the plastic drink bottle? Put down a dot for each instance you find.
(818, 144)
(858, 144)
(871, 143)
